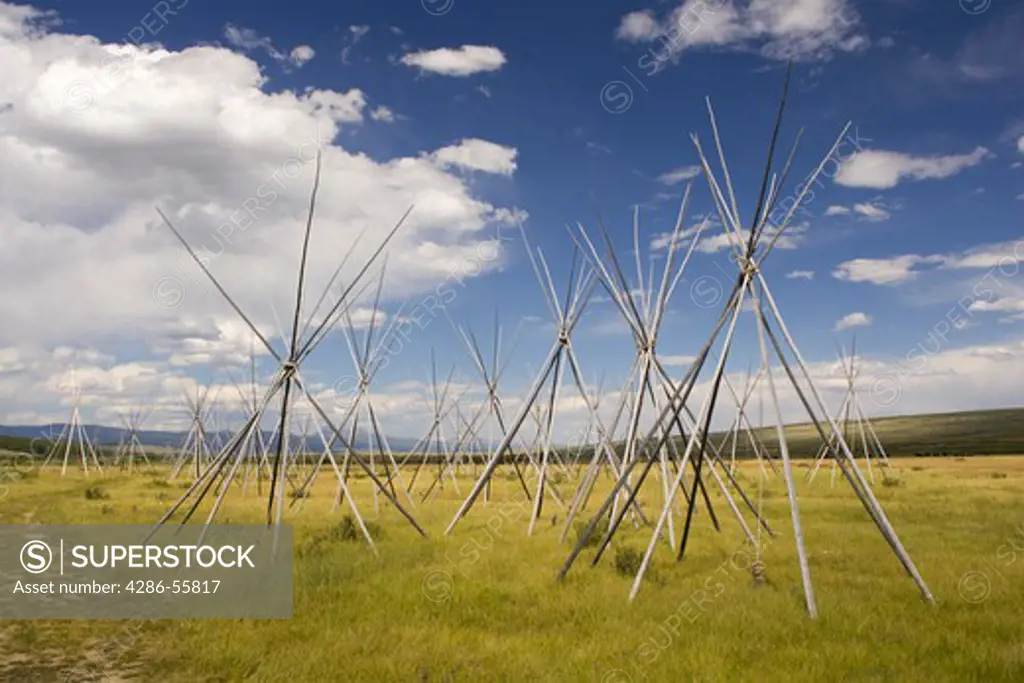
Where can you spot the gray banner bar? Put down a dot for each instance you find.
(111, 571)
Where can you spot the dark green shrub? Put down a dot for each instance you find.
(348, 530)
(595, 538)
(96, 493)
(627, 561)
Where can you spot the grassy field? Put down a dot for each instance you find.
(482, 604)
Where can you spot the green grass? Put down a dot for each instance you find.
(483, 604)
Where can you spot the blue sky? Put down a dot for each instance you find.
(896, 235)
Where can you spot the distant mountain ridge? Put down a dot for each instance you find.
(111, 436)
(989, 432)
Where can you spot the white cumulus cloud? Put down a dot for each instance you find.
(852, 320)
(462, 61)
(232, 167)
(478, 155)
(882, 170)
(638, 26)
(787, 29)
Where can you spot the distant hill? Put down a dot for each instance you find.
(978, 432)
(981, 432)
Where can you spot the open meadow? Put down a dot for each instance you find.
(483, 603)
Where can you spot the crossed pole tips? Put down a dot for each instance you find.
(650, 383)
(434, 440)
(490, 412)
(750, 248)
(256, 452)
(862, 430)
(73, 437)
(368, 358)
(368, 361)
(566, 314)
(130, 447)
(286, 381)
(196, 448)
